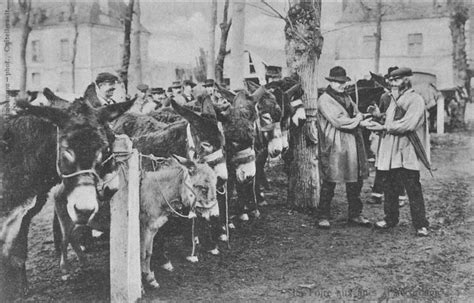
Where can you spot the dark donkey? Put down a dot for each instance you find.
(239, 124)
(46, 146)
(288, 93)
(198, 138)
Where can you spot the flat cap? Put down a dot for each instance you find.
(189, 82)
(208, 82)
(157, 90)
(400, 73)
(106, 77)
(142, 87)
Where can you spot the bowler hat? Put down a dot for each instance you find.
(189, 82)
(208, 82)
(338, 74)
(105, 77)
(157, 90)
(390, 69)
(142, 87)
(176, 84)
(400, 73)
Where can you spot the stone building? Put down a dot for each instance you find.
(49, 51)
(414, 34)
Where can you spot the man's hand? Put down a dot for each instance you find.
(366, 123)
(375, 126)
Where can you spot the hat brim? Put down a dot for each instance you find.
(338, 79)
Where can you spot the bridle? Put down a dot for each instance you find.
(211, 159)
(74, 174)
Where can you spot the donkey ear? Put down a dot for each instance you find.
(113, 111)
(55, 115)
(258, 94)
(51, 96)
(227, 94)
(251, 86)
(190, 165)
(208, 110)
(186, 113)
(293, 89)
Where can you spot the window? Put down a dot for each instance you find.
(36, 51)
(415, 44)
(64, 48)
(35, 80)
(252, 67)
(62, 16)
(368, 46)
(65, 81)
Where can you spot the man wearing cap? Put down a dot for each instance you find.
(397, 154)
(379, 113)
(342, 153)
(209, 86)
(143, 101)
(158, 97)
(188, 86)
(99, 93)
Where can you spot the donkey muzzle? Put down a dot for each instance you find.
(82, 204)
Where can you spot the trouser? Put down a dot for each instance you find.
(353, 197)
(379, 180)
(410, 179)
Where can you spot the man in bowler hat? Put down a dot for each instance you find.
(342, 152)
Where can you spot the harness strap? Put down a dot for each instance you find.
(296, 103)
(244, 156)
(214, 158)
(190, 143)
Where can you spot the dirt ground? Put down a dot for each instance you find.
(283, 257)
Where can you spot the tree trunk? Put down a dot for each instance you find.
(237, 63)
(303, 48)
(225, 27)
(459, 15)
(378, 36)
(73, 10)
(126, 44)
(137, 43)
(25, 9)
(211, 64)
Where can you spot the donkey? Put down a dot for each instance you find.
(173, 186)
(45, 146)
(197, 138)
(136, 125)
(248, 115)
(288, 93)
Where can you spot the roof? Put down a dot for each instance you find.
(51, 13)
(363, 11)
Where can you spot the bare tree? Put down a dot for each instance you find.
(200, 70)
(225, 27)
(73, 18)
(25, 10)
(136, 23)
(303, 47)
(459, 14)
(236, 72)
(304, 43)
(211, 68)
(128, 16)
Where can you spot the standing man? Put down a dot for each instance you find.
(188, 86)
(397, 154)
(100, 92)
(141, 105)
(342, 153)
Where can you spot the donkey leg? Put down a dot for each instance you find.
(74, 240)
(57, 235)
(148, 277)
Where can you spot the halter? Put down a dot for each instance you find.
(77, 173)
(212, 159)
(244, 156)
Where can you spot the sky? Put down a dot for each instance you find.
(178, 29)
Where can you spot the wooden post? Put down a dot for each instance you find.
(125, 278)
(440, 116)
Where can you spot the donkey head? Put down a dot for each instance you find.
(203, 180)
(205, 139)
(83, 141)
(269, 117)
